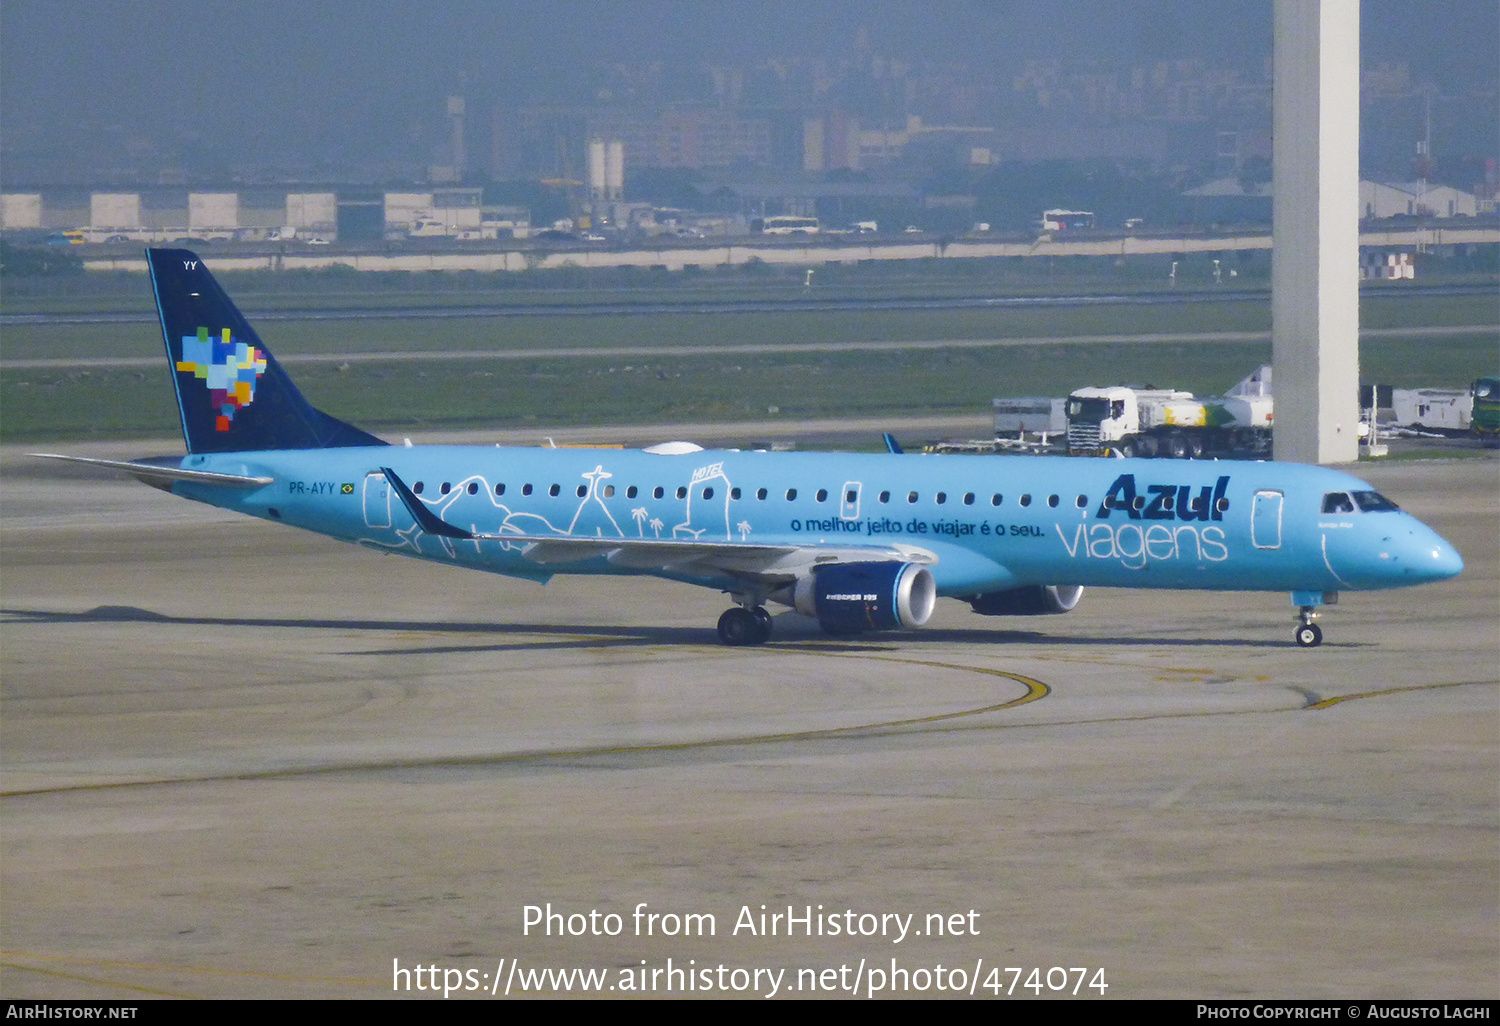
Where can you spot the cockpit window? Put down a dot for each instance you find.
(1374, 502)
(1338, 502)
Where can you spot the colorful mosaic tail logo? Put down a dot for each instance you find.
(229, 368)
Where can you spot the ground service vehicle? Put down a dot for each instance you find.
(1485, 418)
(1170, 423)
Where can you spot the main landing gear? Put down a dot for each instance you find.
(741, 626)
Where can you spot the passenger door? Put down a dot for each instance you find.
(1265, 519)
(377, 501)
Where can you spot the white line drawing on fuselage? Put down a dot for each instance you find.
(703, 488)
(598, 521)
(595, 478)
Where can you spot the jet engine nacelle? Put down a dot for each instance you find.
(1032, 600)
(847, 598)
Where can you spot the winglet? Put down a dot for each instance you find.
(891, 445)
(425, 518)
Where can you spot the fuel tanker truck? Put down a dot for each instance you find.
(1172, 424)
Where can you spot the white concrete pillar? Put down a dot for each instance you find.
(1315, 228)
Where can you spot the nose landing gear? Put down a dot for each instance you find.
(1309, 634)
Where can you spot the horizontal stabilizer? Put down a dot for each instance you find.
(161, 476)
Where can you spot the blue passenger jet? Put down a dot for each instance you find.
(859, 542)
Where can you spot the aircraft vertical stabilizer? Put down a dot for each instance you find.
(232, 394)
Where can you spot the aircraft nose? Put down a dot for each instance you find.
(1445, 562)
(1419, 554)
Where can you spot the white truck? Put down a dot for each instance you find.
(1443, 411)
(1169, 423)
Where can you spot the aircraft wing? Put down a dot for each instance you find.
(779, 563)
(766, 563)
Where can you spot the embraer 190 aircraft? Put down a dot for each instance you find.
(859, 542)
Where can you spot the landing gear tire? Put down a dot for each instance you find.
(744, 626)
(1309, 635)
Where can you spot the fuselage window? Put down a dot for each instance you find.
(658, 493)
(822, 494)
(1025, 500)
(1052, 501)
(851, 496)
(554, 491)
(632, 492)
(500, 488)
(968, 498)
(417, 488)
(583, 490)
(734, 493)
(473, 488)
(681, 492)
(446, 488)
(708, 493)
(911, 496)
(760, 493)
(609, 491)
(791, 494)
(885, 496)
(996, 499)
(1081, 501)
(526, 489)
(1222, 505)
(941, 497)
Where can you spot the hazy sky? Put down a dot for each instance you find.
(302, 74)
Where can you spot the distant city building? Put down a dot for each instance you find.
(165, 214)
(440, 212)
(840, 142)
(1233, 199)
(20, 210)
(1383, 199)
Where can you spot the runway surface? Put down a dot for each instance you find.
(241, 760)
